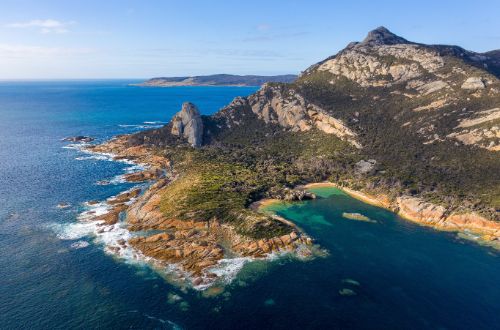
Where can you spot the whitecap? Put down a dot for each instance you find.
(113, 237)
(119, 179)
(93, 211)
(79, 245)
(63, 205)
(227, 269)
(140, 126)
(157, 122)
(74, 231)
(93, 157)
(115, 240)
(136, 168)
(75, 146)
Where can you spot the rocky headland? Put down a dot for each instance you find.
(402, 125)
(193, 247)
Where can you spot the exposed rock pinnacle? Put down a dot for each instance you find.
(187, 123)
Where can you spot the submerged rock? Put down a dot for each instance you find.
(79, 138)
(350, 281)
(347, 292)
(172, 298)
(63, 205)
(357, 216)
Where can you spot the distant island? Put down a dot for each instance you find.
(217, 80)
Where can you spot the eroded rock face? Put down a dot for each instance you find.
(482, 130)
(415, 208)
(290, 110)
(368, 64)
(297, 194)
(188, 124)
(439, 217)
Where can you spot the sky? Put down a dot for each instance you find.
(87, 39)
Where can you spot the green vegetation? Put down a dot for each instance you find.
(220, 182)
(244, 160)
(444, 172)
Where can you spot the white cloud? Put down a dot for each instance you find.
(16, 50)
(263, 27)
(43, 25)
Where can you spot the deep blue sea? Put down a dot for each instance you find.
(387, 274)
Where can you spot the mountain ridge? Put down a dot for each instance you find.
(489, 60)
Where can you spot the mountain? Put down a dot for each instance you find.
(217, 80)
(411, 127)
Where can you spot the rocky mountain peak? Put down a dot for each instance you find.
(188, 124)
(382, 36)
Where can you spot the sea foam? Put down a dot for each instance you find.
(74, 231)
(227, 269)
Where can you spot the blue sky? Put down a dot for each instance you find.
(139, 39)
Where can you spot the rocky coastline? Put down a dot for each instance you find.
(384, 116)
(473, 225)
(193, 249)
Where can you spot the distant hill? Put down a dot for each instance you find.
(217, 80)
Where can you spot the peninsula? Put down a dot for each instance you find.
(414, 128)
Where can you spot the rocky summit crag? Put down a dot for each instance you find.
(411, 127)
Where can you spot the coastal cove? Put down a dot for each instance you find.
(468, 225)
(390, 258)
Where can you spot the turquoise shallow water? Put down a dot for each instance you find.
(402, 275)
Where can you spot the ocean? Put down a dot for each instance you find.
(386, 273)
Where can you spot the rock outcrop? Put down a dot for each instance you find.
(188, 124)
(382, 59)
(192, 247)
(439, 217)
(79, 138)
(290, 110)
(482, 130)
(382, 36)
(474, 83)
